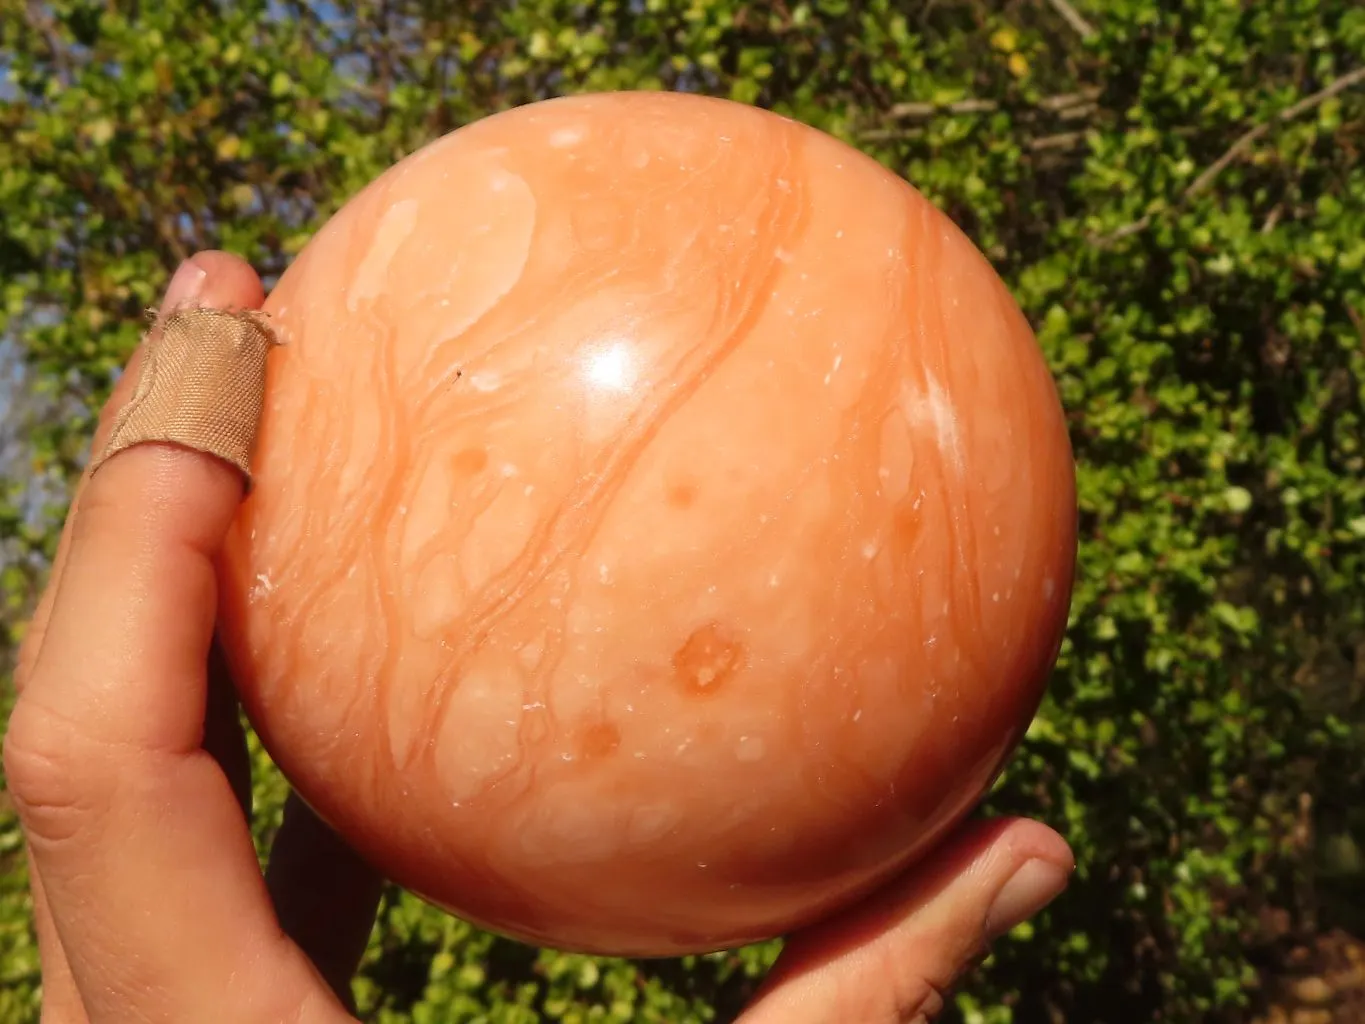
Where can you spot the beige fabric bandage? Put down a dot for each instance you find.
(201, 386)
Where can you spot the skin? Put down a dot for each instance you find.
(130, 777)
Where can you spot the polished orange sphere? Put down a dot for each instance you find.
(663, 525)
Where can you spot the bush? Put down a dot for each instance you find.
(1173, 189)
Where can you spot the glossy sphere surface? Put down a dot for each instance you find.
(663, 526)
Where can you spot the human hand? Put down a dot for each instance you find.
(128, 767)
(129, 772)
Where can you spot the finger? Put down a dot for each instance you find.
(894, 957)
(326, 896)
(144, 854)
(246, 288)
(61, 1000)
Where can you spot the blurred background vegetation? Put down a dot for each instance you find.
(1175, 192)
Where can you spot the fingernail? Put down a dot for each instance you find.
(1032, 887)
(186, 285)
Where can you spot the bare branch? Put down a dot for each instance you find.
(908, 111)
(1244, 143)
(1064, 140)
(1073, 18)
(1064, 105)
(1068, 101)
(1071, 106)
(1137, 227)
(888, 134)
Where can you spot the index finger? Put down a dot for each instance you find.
(147, 862)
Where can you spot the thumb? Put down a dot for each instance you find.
(895, 956)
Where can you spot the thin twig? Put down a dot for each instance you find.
(1063, 105)
(1070, 106)
(1357, 321)
(1065, 140)
(1069, 101)
(890, 134)
(913, 111)
(1073, 18)
(1244, 142)
(1138, 226)
(1288, 114)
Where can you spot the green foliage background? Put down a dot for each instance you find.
(1202, 304)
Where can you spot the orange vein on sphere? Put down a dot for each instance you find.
(572, 528)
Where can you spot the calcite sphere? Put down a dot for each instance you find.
(662, 529)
